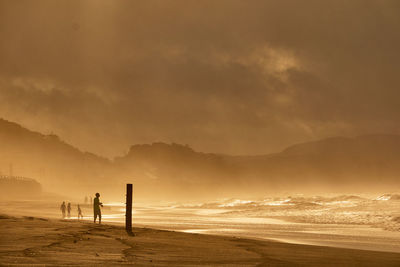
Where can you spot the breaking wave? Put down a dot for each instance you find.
(378, 211)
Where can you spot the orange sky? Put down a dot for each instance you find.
(238, 77)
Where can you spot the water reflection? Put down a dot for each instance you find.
(246, 222)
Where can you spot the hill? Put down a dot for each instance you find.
(368, 163)
(55, 164)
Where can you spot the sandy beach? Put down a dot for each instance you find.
(40, 241)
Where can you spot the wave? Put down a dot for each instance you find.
(379, 211)
(311, 202)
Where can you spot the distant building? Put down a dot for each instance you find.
(17, 187)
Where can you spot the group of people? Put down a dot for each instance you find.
(96, 209)
(67, 208)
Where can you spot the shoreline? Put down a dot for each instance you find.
(358, 237)
(34, 240)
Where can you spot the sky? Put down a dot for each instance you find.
(226, 76)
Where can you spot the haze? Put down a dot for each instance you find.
(233, 77)
(253, 132)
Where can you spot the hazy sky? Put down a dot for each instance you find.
(240, 77)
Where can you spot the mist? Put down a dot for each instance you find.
(232, 77)
(254, 133)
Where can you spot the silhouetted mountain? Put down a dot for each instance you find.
(172, 171)
(176, 171)
(48, 159)
(360, 164)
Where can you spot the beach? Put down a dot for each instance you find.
(52, 242)
(362, 224)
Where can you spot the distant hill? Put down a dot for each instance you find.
(362, 164)
(368, 163)
(176, 171)
(54, 163)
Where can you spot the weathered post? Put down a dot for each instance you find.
(128, 215)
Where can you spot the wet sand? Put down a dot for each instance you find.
(217, 222)
(32, 240)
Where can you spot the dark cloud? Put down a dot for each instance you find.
(238, 77)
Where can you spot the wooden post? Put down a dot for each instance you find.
(128, 215)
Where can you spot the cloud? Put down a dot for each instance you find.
(240, 77)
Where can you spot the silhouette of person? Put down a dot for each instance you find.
(62, 208)
(96, 208)
(80, 216)
(69, 209)
(86, 199)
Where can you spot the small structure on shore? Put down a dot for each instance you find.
(17, 186)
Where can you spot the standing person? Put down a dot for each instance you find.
(80, 216)
(86, 199)
(96, 208)
(69, 209)
(62, 208)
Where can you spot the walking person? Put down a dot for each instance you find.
(69, 209)
(62, 208)
(80, 216)
(96, 208)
